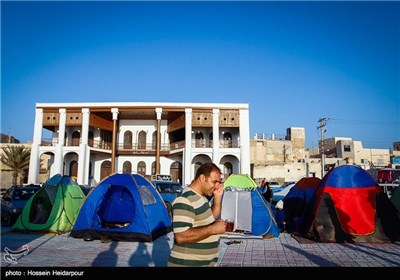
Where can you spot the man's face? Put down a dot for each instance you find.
(211, 183)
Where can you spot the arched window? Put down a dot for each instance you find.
(154, 140)
(141, 168)
(176, 171)
(142, 140)
(199, 139)
(128, 140)
(153, 168)
(76, 136)
(127, 167)
(105, 169)
(227, 140)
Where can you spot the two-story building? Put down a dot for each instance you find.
(93, 140)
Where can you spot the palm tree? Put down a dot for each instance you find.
(17, 159)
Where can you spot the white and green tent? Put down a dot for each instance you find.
(244, 205)
(61, 197)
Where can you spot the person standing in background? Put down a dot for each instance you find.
(267, 192)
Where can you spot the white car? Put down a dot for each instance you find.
(274, 184)
(279, 194)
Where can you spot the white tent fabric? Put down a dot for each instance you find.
(236, 207)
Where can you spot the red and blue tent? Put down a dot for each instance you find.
(349, 206)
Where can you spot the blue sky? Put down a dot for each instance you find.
(292, 62)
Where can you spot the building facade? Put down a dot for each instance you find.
(93, 140)
(285, 158)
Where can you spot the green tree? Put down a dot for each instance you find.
(17, 159)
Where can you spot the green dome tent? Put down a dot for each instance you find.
(240, 181)
(60, 198)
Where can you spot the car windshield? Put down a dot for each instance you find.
(23, 194)
(170, 188)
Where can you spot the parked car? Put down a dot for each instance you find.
(280, 193)
(287, 183)
(274, 184)
(169, 191)
(14, 200)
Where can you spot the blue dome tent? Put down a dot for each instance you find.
(123, 207)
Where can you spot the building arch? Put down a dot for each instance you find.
(230, 164)
(68, 159)
(197, 161)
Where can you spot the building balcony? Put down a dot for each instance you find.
(141, 148)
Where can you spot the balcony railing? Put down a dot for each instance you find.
(138, 147)
(141, 147)
(76, 141)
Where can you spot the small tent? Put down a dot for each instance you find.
(60, 199)
(296, 200)
(349, 206)
(123, 207)
(240, 181)
(244, 204)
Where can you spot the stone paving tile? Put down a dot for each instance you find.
(284, 251)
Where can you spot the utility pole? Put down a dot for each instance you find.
(322, 124)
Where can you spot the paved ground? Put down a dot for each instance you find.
(63, 251)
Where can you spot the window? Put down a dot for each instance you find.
(200, 139)
(128, 140)
(146, 196)
(141, 168)
(347, 148)
(127, 167)
(154, 140)
(142, 140)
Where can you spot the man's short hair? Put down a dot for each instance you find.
(206, 169)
